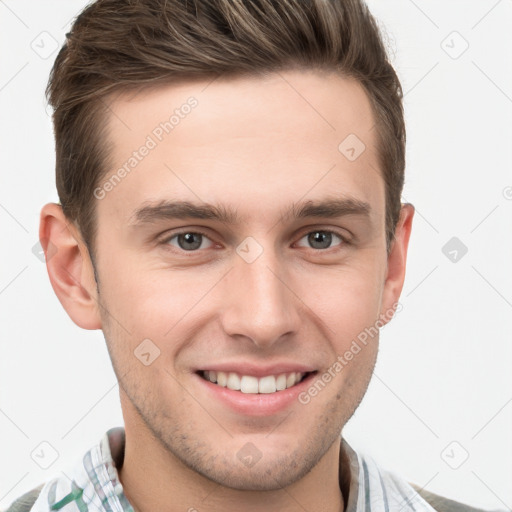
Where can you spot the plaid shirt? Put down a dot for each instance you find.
(92, 485)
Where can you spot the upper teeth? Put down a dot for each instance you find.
(250, 384)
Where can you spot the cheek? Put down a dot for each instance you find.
(148, 302)
(346, 300)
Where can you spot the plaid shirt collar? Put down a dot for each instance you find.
(93, 484)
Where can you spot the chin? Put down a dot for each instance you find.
(269, 476)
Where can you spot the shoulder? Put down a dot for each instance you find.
(25, 501)
(441, 504)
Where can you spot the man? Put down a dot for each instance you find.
(230, 176)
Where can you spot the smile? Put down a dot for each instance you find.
(254, 385)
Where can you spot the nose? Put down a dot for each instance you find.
(260, 303)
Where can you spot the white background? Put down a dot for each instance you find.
(442, 388)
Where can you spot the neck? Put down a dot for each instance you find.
(153, 479)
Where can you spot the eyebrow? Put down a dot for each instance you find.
(169, 210)
(329, 208)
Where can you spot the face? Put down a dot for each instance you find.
(244, 240)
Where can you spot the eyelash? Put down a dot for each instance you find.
(165, 241)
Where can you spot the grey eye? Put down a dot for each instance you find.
(188, 241)
(321, 239)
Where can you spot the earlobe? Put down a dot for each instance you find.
(397, 260)
(69, 267)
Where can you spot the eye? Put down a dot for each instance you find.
(188, 241)
(322, 239)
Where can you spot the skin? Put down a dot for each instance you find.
(256, 145)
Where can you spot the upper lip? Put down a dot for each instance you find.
(257, 370)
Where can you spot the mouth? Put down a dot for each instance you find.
(249, 384)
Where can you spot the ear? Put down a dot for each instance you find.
(69, 267)
(396, 264)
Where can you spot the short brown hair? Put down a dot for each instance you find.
(116, 45)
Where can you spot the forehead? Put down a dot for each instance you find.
(248, 142)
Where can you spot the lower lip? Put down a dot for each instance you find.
(255, 404)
